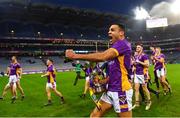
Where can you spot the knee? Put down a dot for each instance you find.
(163, 80)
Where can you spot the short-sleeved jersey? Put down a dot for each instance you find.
(14, 67)
(119, 67)
(159, 65)
(140, 69)
(51, 77)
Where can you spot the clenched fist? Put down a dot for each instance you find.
(70, 54)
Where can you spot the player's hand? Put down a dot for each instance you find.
(137, 61)
(155, 58)
(70, 54)
(42, 75)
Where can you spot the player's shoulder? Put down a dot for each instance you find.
(122, 44)
(50, 67)
(145, 56)
(18, 63)
(162, 55)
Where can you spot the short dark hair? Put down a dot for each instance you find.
(121, 26)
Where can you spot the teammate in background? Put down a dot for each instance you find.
(14, 72)
(78, 68)
(119, 92)
(89, 71)
(153, 49)
(161, 70)
(51, 82)
(148, 78)
(141, 64)
(88, 68)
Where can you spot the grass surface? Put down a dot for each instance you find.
(34, 88)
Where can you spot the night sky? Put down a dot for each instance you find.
(116, 6)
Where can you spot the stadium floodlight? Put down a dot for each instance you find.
(141, 13)
(12, 31)
(175, 7)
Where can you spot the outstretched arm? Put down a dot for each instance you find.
(99, 56)
(47, 74)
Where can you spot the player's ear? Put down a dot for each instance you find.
(121, 33)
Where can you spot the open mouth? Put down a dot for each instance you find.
(110, 41)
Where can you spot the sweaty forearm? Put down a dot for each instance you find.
(144, 64)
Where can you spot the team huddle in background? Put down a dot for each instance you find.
(114, 79)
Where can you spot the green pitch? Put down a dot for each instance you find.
(34, 88)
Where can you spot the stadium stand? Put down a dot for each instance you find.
(31, 29)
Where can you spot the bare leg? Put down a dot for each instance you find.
(136, 95)
(48, 92)
(148, 105)
(13, 89)
(104, 108)
(20, 88)
(5, 90)
(125, 114)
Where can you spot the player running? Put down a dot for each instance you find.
(141, 64)
(119, 92)
(51, 82)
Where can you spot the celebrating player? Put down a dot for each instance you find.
(51, 83)
(161, 70)
(119, 93)
(141, 64)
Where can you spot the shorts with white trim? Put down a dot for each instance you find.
(12, 79)
(139, 79)
(160, 72)
(51, 85)
(121, 101)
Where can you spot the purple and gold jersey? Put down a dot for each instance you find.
(140, 69)
(14, 68)
(88, 71)
(119, 67)
(52, 76)
(153, 53)
(159, 65)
